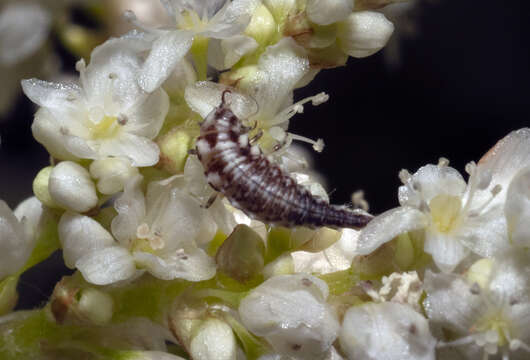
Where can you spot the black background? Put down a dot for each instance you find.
(462, 85)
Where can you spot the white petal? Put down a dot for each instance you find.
(383, 228)
(112, 174)
(183, 75)
(364, 33)
(291, 313)
(202, 97)
(80, 235)
(55, 96)
(430, 181)
(107, 265)
(504, 160)
(131, 210)
(325, 12)
(24, 26)
(453, 303)
(113, 69)
(147, 117)
(30, 213)
(191, 264)
(446, 250)
(150, 355)
(386, 331)
(510, 278)
(70, 186)
(280, 68)
(517, 208)
(167, 51)
(215, 340)
(230, 20)
(225, 53)
(140, 150)
(485, 234)
(14, 245)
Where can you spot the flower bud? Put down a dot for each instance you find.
(262, 25)
(112, 174)
(282, 265)
(95, 306)
(40, 187)
(174, 148)
(71, 187)
(8, 294)
(480, 272)
(241, 255)
(214, 340)
(325, 12)
(364, 33)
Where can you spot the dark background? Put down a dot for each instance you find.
(462, 85)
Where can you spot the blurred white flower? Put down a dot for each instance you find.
(291, 312)
(491, 313)
(108, 114)
(16, 242)
(517, 209)
(269, 86)
(457, 218)
(386, 331)
(24, 28)
(219, 19)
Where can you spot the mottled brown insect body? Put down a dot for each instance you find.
(252, 183)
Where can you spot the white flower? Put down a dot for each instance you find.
(158, 232)
(386, 331)
(16, 242)
(291, 312)
(364, 33)
(491, 313)
(269, 85)
(71, 187)
(219, 19)
(456, 218)
(108, 114)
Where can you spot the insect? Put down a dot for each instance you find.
(252, 183)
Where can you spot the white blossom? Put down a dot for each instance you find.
(108, 114)
(456, 218)
(491, 315)
(386, 331)
(325, 12)
(218, 19)
(268, 86)
(517, 209)
(291, 312)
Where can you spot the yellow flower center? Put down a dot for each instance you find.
(496, 327)
(445, 211)
(108, 127)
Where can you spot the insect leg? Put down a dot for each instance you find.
(210, 201)
(256, 137)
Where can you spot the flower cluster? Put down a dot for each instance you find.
(167, 268)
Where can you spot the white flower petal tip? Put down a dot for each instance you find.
(107, 265)
(71, 187)
(364, 33)
(325, 12)
(389, 331)
(387, 226)
(291, 312)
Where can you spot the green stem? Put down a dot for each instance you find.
(199, 52)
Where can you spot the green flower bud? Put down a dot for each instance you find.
(40, 187)
(262, 26)
(242, 254)
(174, 148)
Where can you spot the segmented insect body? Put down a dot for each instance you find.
(252, 183)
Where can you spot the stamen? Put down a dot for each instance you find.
(404, 176)
(443, 162)
(298, 107)
(359, 201)
(318, 145)
(142, 231)
(470, 168)
(494, 192)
